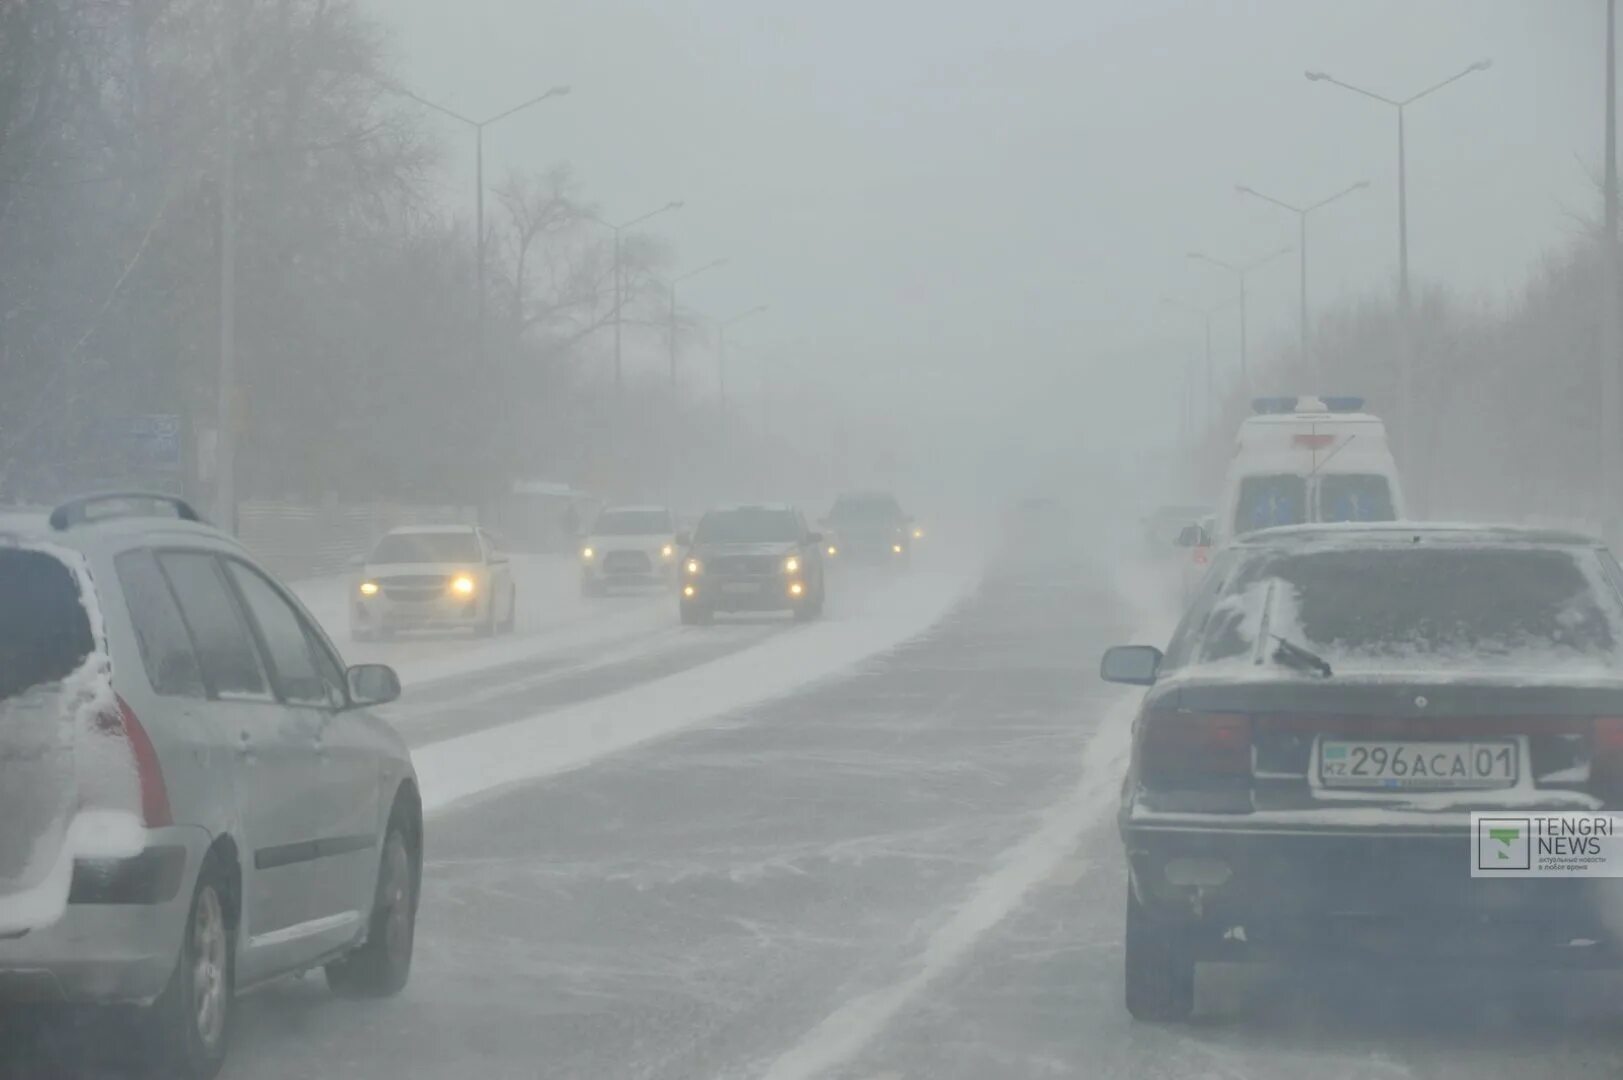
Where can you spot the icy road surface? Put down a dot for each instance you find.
(904, 868)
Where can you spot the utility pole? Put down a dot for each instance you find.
(225, 440)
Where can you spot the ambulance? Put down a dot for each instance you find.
(1308, 459)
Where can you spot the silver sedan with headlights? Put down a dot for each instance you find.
(433, 577)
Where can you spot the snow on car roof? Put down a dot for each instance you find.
(1387, 532)
(635, 508)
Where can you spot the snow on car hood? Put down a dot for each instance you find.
(67, 789)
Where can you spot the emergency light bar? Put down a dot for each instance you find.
(1274, 406)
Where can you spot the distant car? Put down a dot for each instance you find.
(752, 558)
(1326, 717)
(1195, 559)
(628, 545)
(870, 527)
(433, 577)
(1164, 526)
(194, 797)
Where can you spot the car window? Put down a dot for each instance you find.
(296, 669)
(632, 523)
(225, 648)
(749, 525)
(160, 633)
(1435, 606)
(1355, 497)
(1267, 501)
(44, 631)
(428, 547)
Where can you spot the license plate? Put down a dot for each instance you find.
(740, 588)
(1355, 763)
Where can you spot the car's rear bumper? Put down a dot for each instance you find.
(1246, 893)
(110, 952)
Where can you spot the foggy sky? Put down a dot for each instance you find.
(971, 209)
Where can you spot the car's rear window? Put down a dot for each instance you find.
(1440, 606)
(427, 547)
(45, 631)
(1267, 501)
(1355, 497)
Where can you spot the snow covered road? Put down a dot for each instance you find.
(889, 858)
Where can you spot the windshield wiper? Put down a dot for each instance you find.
(1293, 655)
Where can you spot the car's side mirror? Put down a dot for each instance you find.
(498, 559)
(373, 684)
(684, 539)
(1134, 665)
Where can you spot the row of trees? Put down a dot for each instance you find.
(355, 295)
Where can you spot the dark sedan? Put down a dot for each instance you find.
(752, 558)
(1332, 708)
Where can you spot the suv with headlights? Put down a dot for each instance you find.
(870, 527)
(195, 797)
(628, 545)
(752, 558)
(433, 577)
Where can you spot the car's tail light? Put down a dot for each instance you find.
(1606, 755)
(1175, 745)
(121, 722)
(1201, 558)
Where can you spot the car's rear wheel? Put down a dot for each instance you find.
(190, 1024)
(381, 966)
(1160, 967)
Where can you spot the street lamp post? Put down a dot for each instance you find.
(1410, 441)
(1403, 189)
(479, 127)
(619, 286)
(1301, 213)
(721, 352)
(1241, 271)
(673, 283)
(1204, 314)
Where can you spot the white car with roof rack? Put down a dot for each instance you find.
(1301, 460)
(194, 796)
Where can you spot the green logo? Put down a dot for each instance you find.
(1506, 837)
